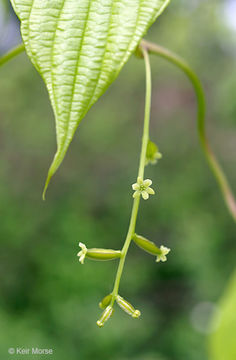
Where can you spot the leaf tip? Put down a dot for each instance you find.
(46, 185)
(59, 156)
(53, 168)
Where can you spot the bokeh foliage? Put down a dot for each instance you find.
(47, 298)
(222, 342)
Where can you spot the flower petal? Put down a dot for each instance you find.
(163, 258)
(158, 155)
(153, 161)
(150, 191)
(147, 182)
(145, 195)
(80, 253)
(83, 246)
(135, 186)
(81, 259)
(136, 194)
(165, 250)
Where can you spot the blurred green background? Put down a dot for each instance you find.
(47, 299)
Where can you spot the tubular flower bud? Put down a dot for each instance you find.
(127, 307)
(146, 245)
(105, 301)
(107, 313)
(151, 248)
(97, 254)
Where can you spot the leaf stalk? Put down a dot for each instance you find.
(11, 54)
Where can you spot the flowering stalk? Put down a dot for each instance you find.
(136, 201)
(149, 153)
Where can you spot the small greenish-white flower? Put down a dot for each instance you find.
(142, 187)
(152, 154)
(164, 252)
(82, 252)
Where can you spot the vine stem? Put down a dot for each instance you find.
(135, 208)
(212, 161)
(12, 53)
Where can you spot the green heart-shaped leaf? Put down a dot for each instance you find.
(79, 48)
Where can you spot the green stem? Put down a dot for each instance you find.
(147, 115)
(11, 54)
(136, 201)
(212, 161)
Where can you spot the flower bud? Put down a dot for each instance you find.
(105, 301)
(127, 307)
(103, 254)
(107, 313)
(97, 254)
(146, 245)
(151, 248)
(152, 153)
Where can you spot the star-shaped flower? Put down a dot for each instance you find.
(82, 253)
(142, 187)
(164, 252)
